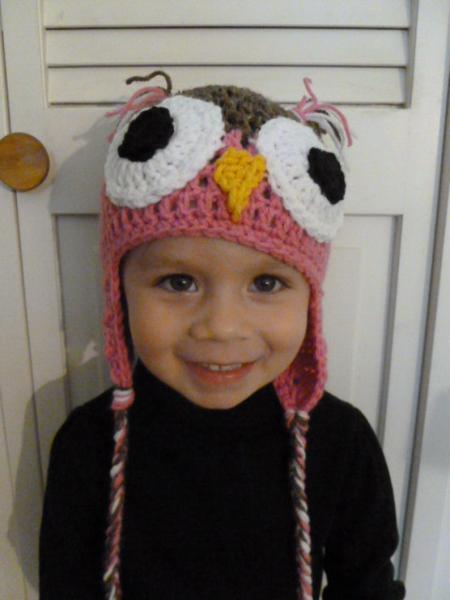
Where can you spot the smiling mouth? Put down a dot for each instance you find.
(220, 367)
(218, 373)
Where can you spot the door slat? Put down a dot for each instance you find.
(310, 13)
(271, 46)
(341, 85)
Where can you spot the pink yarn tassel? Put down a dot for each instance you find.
(152, 95)
(142, 98)
(308, 106)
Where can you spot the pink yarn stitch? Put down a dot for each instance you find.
(308, 106)
(151, 96)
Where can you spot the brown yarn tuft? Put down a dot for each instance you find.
(242, 108)
(152, 75)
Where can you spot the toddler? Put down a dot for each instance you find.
(218, 467)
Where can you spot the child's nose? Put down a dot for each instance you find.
(221, 318)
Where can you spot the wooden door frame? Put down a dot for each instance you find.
(426, 545)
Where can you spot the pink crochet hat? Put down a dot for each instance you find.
(222, 162)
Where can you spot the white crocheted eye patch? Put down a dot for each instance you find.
(286, 145)
(182, 134)
(198, 133)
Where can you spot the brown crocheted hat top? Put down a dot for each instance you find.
(242, 108)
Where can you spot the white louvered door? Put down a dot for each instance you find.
(383, 62)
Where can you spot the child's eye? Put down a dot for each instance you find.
(178, 283)
(267, 283)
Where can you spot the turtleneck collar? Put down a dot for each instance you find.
(258, 413)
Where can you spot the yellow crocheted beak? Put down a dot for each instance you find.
(237, 174)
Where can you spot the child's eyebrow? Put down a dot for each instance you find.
(173, 262)
(162, 262)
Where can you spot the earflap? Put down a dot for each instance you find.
(301, 385)
(117, 340)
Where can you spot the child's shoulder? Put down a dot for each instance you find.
(87, 427)
(95, 412)
(81, 451)
(332, 407)
(333, 418)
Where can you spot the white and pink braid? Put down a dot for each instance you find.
(298, 424)
(122, 400)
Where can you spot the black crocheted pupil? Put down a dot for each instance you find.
(149, 132)
(325, 170)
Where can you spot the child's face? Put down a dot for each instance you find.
(196, 303)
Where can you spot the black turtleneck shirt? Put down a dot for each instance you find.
(208, 512)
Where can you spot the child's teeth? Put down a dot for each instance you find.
(222, 367)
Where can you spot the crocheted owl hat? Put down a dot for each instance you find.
(222, 162)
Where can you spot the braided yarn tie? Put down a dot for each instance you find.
(298, 424)
(122, 400)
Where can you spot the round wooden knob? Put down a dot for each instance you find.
(24, 162)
